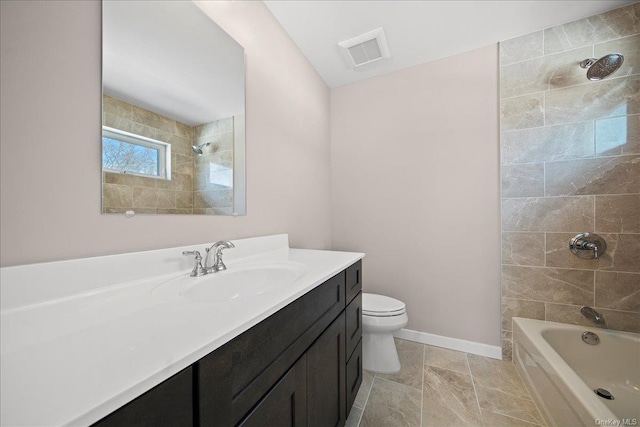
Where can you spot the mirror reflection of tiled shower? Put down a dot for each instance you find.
(570, 163)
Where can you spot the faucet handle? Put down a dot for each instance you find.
(198, 269)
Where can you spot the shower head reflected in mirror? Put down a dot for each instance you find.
(598, 69)
(198, 148)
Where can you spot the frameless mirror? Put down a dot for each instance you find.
(172, 111)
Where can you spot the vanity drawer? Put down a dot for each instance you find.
(354, 323)
(354, 375)
(354, 280)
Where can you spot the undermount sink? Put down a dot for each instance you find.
(236, 283)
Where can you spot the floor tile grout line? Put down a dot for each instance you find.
(424, 362)
(475, 392)
(396, 382)
(516, 418)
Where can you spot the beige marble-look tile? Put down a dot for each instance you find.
(558, 253)
(548, 214)
(200, 211)
(566, 313)
(628, 321)
(496, 401)
(138, 211)
(449, 399)
(522, 112)
(609, 25)
(593, 100)
(548, 284)
(213, 199)
(445, 358)
(129, 179)
(166, 199)
(506, 339)
(365, 389)
(521, 48)
(154, 120)
(526, 180)
(627, 256)
(117, 196)
(491, 419)
(178, 182)
(549, 143)
(497, 374)
(512, 307)
(544, 73)
(411, 355)
(618, 214)
(609, 175)
(145, 197)
(182, 164)
(523, 248)
(391, 404)
(174, 211)
(116, 107)
(629, 47)
(183, 130)
(353, 420)
(184, 199)
(178, 144)
(618, 291)
(129, 126)
(618, 135)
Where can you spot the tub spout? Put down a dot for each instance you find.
(597, 318)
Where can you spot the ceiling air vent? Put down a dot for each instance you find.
(367, 47)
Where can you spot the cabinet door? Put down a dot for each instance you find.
(326, 400)
(354, 376)
(285, 405)
(170, 403)
(353, 317)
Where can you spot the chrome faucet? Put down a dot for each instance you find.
(217, 248)
(198, 269)
(597, 318)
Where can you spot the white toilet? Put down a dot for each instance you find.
(381, 317)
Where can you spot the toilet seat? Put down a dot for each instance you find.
(375, 305)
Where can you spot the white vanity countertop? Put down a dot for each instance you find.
(77, 356)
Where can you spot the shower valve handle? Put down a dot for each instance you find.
(587, 246)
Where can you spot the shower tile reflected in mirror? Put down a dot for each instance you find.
(173, 113)
(569, 163)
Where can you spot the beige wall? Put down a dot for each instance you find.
(415, 186)
(50, 149)
(570, 164)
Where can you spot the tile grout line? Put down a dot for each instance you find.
(424, 361)
(475, 391)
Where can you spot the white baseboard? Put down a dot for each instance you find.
(493, 351)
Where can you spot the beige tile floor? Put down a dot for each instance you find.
(440, 387)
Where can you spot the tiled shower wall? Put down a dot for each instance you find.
(123, 192)
(213, 179)
(570, 163)
(197, 184)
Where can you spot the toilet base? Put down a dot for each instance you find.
(379, 353)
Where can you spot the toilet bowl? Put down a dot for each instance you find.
(381, 317)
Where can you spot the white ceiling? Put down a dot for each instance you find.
(171, 58)
(417, 31)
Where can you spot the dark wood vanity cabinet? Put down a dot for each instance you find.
(302, 366)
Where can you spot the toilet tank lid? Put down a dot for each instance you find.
(380, 304)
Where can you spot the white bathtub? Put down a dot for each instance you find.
(561, 372)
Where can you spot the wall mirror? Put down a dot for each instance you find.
(173, 111)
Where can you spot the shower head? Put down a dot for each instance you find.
(598, 69)
(198, 148)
